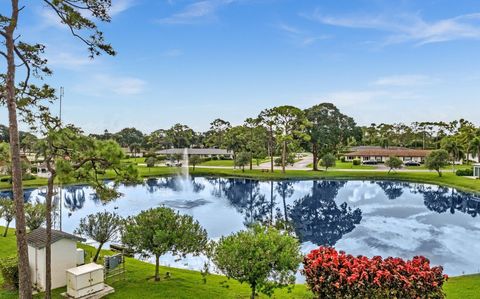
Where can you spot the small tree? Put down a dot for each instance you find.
(35, 215)
(161, 230)
(436, 160)
(7, 212)
(150, 162)
(194, 160)
(243, 159)
(393, 163)
(328, 160)
(263, 257)
(100, 227)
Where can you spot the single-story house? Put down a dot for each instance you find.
(379, 154)
(476, 170)
(64, 256)
(203, 152)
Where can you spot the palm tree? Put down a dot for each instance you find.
(475, 147)
(454, 148)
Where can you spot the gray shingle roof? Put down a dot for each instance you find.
(38, 237)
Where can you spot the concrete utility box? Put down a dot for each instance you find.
(64, 256)
(84, 280)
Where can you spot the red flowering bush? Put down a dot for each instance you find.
(332, 274)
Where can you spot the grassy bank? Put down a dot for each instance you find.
(138, 282)
(448, 179)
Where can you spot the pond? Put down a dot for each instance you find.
(360, 217)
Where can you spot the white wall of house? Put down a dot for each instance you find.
(64, 257)
(383, 158)
(476, 170)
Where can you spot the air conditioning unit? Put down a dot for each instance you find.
(84, 280)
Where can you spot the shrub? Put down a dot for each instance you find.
(356, 162)
(5, 179)
(9, 271)
(342, 159)
(464, 172)
(28, 177)
(332, 274)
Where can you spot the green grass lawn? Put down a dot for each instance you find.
(228, 162)
(448, 179)
(138, 282)
(135, 160)
(345, 165)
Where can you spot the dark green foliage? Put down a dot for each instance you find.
(9, 271)
(35, 215)
(436, 160)
(356, 162)
(161, 230)
(101, 227)
(393, 163)
(243, 159)
(328, 160)
(464, 172)
(263, 257)
(7, 212)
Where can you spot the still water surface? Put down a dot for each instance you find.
(360, 217)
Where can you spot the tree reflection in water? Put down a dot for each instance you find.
(173, 183)
(317, 217)
(442, 199)
(245, 196)
(393, 190)
(74, 198)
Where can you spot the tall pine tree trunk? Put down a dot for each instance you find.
(315, 156)
(48, 241)
(24, 279)
(270, 144)
(284, 156)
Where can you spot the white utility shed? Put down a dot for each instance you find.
(64, 256)
(476, 170)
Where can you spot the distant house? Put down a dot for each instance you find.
(379, 154)
(476, 170)
(203, 152)
(64, 256)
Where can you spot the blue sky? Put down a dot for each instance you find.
(194, 61)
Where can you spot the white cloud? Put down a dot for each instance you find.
(197, 12)
(404, 80)
(409, 27)
(68, 60)
(102, 85)
(172, 53)
(119, 6)
(300, 37)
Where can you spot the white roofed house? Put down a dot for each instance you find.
(64, 256)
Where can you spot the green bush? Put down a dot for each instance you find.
(28, 177)
(356, 162)
(465, 172)
(9, 271)
(342, 159)
(5, 179)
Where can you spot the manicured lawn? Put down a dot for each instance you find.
(345, 165)
(217, 163)
(138, 282)
(448, 179)
(135, 160)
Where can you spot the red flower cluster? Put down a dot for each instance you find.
(332, 274)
